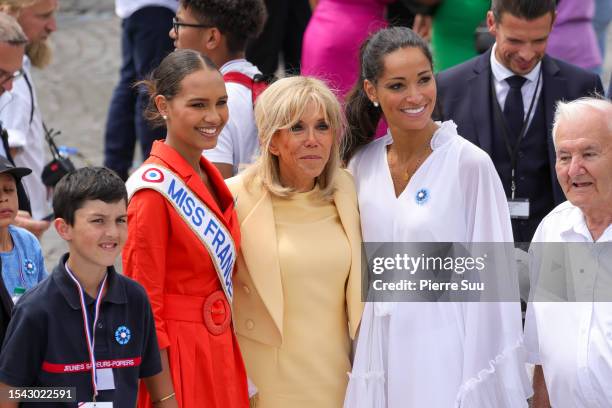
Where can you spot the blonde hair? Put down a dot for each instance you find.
(40, 53)
(281, 106)
(13, 7)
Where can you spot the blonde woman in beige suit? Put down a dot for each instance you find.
(297, 297)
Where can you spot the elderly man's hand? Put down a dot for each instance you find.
(24, 220)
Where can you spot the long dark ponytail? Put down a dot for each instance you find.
(361, 115)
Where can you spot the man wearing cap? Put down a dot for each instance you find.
(569, 335)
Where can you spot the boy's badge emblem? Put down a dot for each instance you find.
(153, 175)
(123, 335)
(29, 267)
(422, 196)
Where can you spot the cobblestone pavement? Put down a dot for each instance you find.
(87, 6)
(74, 92)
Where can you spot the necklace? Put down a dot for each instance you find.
(407, 173)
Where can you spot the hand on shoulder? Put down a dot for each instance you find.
(36, 227)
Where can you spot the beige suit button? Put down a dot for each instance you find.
(246, 289)
(249, 324)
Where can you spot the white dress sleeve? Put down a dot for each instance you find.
(485, 203)
(367, 386)
(494, 373)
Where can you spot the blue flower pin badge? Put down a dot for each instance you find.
(422, 196)
(123, 335)
(29, 267)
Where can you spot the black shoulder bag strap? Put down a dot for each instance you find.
(29, 84)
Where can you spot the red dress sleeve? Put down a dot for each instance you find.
(144, 255)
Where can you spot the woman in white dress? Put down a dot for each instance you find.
(422, 182)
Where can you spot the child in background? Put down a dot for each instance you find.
(22, 260)
(221, 29)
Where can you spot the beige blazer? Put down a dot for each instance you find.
(258, 291)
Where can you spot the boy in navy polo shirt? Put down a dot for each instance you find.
(86, 326)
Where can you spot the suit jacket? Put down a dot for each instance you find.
(464, 95)
(258, 291)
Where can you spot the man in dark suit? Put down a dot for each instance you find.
(504, 101)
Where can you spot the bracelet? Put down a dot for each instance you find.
(166, 398)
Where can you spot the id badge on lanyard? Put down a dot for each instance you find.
(518, 207)
(101, 379)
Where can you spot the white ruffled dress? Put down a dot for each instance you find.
(437, 355)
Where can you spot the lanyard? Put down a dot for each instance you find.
(21, 276)
(90, 337)
(499, 116)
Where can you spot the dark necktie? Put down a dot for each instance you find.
(513, 109)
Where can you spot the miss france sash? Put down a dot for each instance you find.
(202, 220)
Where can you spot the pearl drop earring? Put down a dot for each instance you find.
(375, 104)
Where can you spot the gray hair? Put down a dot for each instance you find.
(575, 109)
(11, 32)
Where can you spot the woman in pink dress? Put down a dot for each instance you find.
(331, 42)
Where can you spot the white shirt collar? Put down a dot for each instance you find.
(575, 223)
(226, 66)
(500, 72)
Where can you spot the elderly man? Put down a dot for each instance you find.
(22, 117)
(12, 48)
(571, 343)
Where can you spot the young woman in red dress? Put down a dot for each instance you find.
(183, 237)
